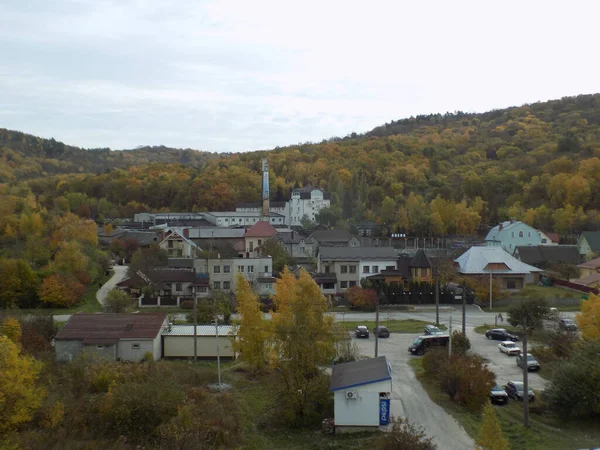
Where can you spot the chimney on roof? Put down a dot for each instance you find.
(500, 226)
(513, 220)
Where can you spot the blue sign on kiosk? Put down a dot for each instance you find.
(384, 411)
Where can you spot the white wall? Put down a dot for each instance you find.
(126, 352)
(183, 346)
(363, 411)
(381, 265)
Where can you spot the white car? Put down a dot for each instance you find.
(509, 347)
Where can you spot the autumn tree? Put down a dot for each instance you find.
(19, 395)
(61, 291)
(146, 259)
(531, 311)
(304, 340)
(18, 284)
(280, 257)
(252, 337)
(490, 434)
(362, 299)
(404, 436)
(589, 318)
(69, 259)
(117, 301)
(11, 328)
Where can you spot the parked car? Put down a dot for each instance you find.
(515, 389)
(509, 347)
(498, 395)
(381, 332)
(567, 325)
(431, 330)
(423, 343)
(532, 363)
(500, 334)
(362, 331)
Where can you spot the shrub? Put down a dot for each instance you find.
(405, 436)
(347, 351)
(362, 299)
(434, 361)
(187, 304)
(466, 380)
(53, 416)
(460, 343)
(118, 301)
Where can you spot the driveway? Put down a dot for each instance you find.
(410, 400)
(119, 275)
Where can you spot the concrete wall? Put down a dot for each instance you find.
(183, 347)
(69, 350)
(126, 351)
(363, 411)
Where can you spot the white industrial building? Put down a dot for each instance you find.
(361, 393)
(178, 341)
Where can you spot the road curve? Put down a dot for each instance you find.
(119, 275)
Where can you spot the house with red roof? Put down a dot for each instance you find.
(256, 236)
(115, 337)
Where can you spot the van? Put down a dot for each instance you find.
(423, 343)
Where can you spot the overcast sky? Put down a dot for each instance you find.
(252, 74)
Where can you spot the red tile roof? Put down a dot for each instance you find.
(106, 328)
(261, 229)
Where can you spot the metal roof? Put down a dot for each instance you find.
(358, 373)
(476, 259)
(109, 327)
(203, 330)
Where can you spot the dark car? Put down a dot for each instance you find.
(362, 331)
(532, 363)
(515, 390)
(498, 395)
(423, 343)
(432, 330)
(567, 325)
(381, 332)
(500, 334)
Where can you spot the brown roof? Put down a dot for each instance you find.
(553, 236)
(592, 264)
(107, 328)
(589, 280)
(261, 229)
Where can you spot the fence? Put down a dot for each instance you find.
(575, 286)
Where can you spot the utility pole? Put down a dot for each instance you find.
(196, 328)
(464, 311)
(437, 301)
(377, 329)
(525, 377)
(491, 290)
(450, 340)
(218, 356)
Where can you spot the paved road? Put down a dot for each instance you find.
(410, 400)
(119, 275)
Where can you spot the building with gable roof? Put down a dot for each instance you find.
(306, 202)
(256, 236)
(177, 245)
(589, 244)
(511, 234)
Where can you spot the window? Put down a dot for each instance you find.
(251, 246)
(544, 241)
(529, 234)
(344, 269)
(226, 269)
(423, 272)
(170, 244)
(326, 269)
(260, 242)
(302, 250)
(217, 269)
(366, 269)
(352, 283)
(226, 285)
(99, 347)
(352, 269)
(328, 285)
(202, 289)
(513, 234)
(520, 234)
(343, 284)
(267, 269)
(135, 346)
(178, 287)
(241, 269)
(217, 285)
(250, 269)
(511, 283)
(375, 269)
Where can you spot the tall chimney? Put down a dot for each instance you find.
(500, 226)
(265, 191)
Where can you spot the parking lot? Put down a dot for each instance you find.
(410, 400)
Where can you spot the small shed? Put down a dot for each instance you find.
(178, 341)
(361, 392)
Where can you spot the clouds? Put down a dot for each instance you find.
(235, 75)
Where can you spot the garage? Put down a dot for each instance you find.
(178, 341)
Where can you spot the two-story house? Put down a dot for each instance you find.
(177, 245)
(306, 202)
(340, 268)
(589, 244)
(256, 236)
(511, 234)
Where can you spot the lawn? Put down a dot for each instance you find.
(545, 432)
(395, 326)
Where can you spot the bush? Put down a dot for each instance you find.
(347, 351)
(466, 380)
(187, 304)
(362, 299)
(118, 301)
(206, 314)
(405, 436)
(434, 361)
(460, 343)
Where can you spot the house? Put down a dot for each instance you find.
(256, 236)
(305, 203)
(142, 239)
(274, 206)
(168, 286)
(178, 341)
(297, 244)
(590, 281)
(223, 272)
(485, 262)
(543, 256)
(178, 245)
(239, 219)
(589, 267)
(367, 228)
(589, 243)
(511, 234)
(334, 238)
(351, 264)
(418, 269)
(361, 394)
(549, 238)
(116, 337)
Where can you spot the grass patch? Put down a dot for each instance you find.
(548, 292)
(481, 329)
(546, 431)
(395, 326)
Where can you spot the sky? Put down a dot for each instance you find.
(231, 76)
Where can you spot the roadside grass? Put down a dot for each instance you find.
(548, 292)
(395, 326)
(481, 329)
(546, 431)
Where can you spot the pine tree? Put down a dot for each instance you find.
(490, 434)
(251, 339)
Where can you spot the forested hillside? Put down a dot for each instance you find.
(428, 175)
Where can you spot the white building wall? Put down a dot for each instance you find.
(183, 346)
(126, 352)
(363, 411)
(378, 264)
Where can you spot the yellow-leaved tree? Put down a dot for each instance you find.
(11, 328)
(304, 342)
(19, 395)
(490, 434)
(251, 340)
(589, 318)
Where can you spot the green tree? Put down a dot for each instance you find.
(490, 434)
(18, 284)
(252, 337)
(388, 210)
(19, 395)
(589, 318)
(117, 301)
(11, 328)
(280, 257)
(533, 310)
(146, 259)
